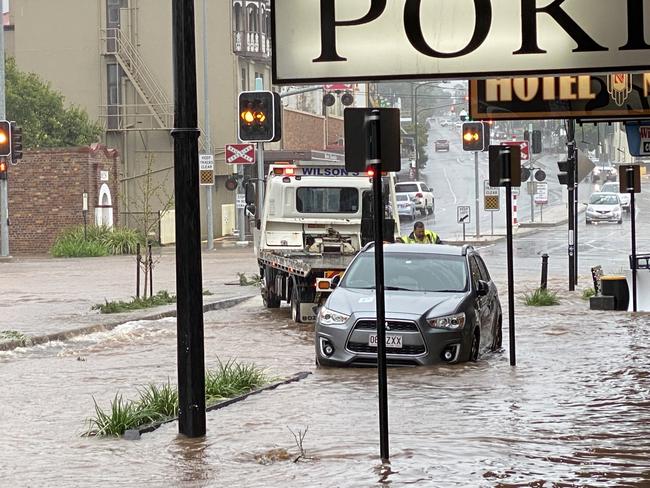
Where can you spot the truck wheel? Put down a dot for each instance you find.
(270, 299)
(295, 305)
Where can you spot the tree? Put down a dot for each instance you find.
(41, 112)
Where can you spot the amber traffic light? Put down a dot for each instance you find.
(259, 116)
(5, 138)
(473, 138)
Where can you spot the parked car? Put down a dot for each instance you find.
(441, 306)
(421, 194)
(604, 171)
(406, 206)
(458, 124)
(613, 187)
(441, 145)
(604, 207)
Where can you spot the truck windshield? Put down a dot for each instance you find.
(327, 200)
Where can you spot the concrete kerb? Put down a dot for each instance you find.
(68, 334)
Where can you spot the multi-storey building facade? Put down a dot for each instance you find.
(114, 59)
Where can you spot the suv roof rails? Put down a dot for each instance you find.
(466, 248)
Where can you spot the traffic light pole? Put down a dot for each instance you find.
(260, 178)
(572, 204)
(4, 188)
(476, 195)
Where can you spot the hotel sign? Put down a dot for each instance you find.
(615, 96)
(349, 40)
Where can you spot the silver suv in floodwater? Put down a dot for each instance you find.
(441, 306)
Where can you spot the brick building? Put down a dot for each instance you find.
(46, 194)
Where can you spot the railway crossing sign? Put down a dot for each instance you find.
(240, 153)
(525, 155)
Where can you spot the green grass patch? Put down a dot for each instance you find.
(253, 280)
(541, 297)
(97, 241)
(13, 335)
(136, 303)
(159, 403)
(587, 293)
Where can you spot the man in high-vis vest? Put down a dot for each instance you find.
(421, 236)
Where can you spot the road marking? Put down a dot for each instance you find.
(449, 184)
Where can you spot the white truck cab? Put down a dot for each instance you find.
(315, 218)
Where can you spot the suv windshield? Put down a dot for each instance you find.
(406, 187)
(608, 199)
(610, 188)
(412, 272)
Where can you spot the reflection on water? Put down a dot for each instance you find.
(574, 412)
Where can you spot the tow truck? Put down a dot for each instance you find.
(315, 218)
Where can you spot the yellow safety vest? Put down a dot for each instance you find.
(430, 237)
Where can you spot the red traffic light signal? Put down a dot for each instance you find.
(5, 138)
(259, 116)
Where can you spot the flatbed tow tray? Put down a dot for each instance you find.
(303, 263)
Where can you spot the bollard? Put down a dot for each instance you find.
(544, 271)
(138, 260)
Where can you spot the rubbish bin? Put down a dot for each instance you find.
(616, 286)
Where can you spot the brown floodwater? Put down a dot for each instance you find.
(575, 411)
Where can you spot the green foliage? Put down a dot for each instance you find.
(98, 241)
(122, 240)
(254, 280)
(541, 297)
(161, 403)
(588, 293)
(41, 112)
(161, 298)
(162, 400)
(124, 415)
(232, 379)
(13, 335)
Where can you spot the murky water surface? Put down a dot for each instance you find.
(575, 411)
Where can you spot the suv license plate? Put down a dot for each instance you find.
(393, 341)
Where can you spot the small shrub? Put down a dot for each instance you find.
(13, 335)
(124, 415)
(163, 400)
(122, 240)
(71, 244)
(541, 297)
(161, 403)
(161, 298)
(588, 293)
(254, 280)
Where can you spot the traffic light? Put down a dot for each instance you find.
(5, 138)
(16, 143)
(566, 176)
(3, 170)
(260, 115)
(537, 141)
(473, 139)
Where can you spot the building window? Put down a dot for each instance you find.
(238, 20)
(113, 12)
(261, 76)
(253, 24)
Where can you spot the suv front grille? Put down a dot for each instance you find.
(406, 349)
(392, 324)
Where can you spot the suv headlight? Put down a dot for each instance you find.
(330, 317)
(456, 321)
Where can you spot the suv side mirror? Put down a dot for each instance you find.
(482, 288)
(335, 282)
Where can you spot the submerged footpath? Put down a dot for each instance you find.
(44, 298)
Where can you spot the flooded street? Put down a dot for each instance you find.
(575, 411)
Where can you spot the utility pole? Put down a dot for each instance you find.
(4, 187)
(570, 134)
(189, 282)
(206, 122)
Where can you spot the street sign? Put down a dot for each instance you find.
(463, 214)
(541, 193)
(491, 197)
(206, 169)
(333, 41)
(525, 155)
(240, 153)
(638, 138)
(241, 200)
